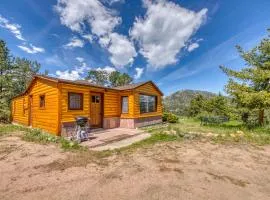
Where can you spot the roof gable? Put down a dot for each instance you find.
(137, 85)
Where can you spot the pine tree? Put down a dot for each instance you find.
(23, 72)
(250, 87)
(5, 81)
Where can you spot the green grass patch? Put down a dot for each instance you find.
(36, 135)
(232, 131)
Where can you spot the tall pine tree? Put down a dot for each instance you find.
(5, 81)
(250, 87)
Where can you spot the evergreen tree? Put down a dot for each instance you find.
(23, 72)
(197, 106)
(250, 87)
(5, 81)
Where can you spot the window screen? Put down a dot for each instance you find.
(148, 103)
(124, 104)
(75, 101)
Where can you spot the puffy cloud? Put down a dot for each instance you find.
(106, 68)
(13, 28)
(68, 74)
(73, 14)
(121, 49)
(77, 15)
(88, 37)
(139, 72)
(31, 49)
(164, 31)
(193, 46)
(74, 42)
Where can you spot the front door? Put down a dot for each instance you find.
(30, 108)
(96, 110)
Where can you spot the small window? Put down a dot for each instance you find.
(95, 99)
(42, 101)
(124, 104)
(75, 101)
(148, 103)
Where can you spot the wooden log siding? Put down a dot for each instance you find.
(111, 104)
(56, 112)
(45, 118)
(20, 110)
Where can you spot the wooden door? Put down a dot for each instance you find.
(96, 110)
(30, 109)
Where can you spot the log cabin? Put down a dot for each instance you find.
(51, 104)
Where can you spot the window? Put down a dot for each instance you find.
(75, 101)
(148, 103)
(42, 101)
(124, 104)
(95, 99)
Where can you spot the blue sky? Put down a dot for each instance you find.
(179, 44)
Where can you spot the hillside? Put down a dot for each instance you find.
(180, 100)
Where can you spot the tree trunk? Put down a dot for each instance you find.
(261, 117)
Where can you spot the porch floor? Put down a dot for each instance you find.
(108, 139)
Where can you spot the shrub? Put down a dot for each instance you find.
(169, 117)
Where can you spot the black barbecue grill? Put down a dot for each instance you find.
(82, 128)
(81, 121)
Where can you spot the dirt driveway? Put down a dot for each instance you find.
(176, 170)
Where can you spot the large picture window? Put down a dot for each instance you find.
(148, 103)
(75, 101)
(124, 104)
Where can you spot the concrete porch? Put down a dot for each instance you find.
(108, 139)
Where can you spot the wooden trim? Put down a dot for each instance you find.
(81, 101)
(59, 96)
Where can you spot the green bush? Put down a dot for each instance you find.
(170, 117)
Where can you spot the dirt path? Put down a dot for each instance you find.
(187, 170)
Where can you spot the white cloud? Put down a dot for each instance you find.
(80, 59)
(13, 28)
(73, 14)
(193, 46)
(54, 60)
(106, 68)
(139, 72)
(74, 42)
(164, 31)
(81, 14)
(121, 49)
(68, 74)
(115, 1)
(88, 37)
(31, 49)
